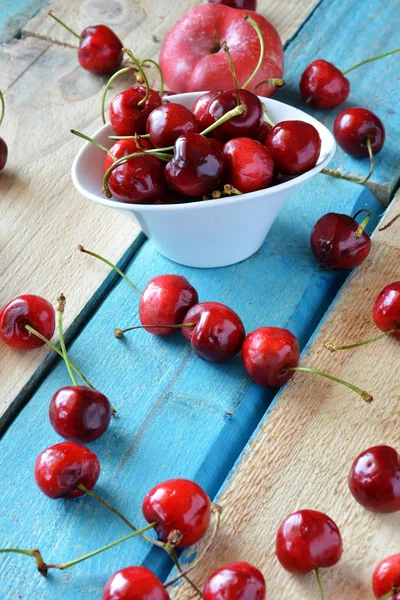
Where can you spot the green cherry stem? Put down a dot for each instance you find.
(54, 347)
(364, 395)
(225, 48)
(41, 565)
(235, 112)
(274, 81)
(176, 562)
(368, 60)
(267, 117)
(128, 137)
(60, 313)
(321, 589)
(53, 16)
(155, 64)
(142, 73)
(120, 332)
(94, 142)
(110, 264)
(262, 49)
(332, 348)
(359, 180)
(3, 107)
(360, 229)
(388, 595)
(109, 82)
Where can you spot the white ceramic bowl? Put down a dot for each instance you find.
(214, 233)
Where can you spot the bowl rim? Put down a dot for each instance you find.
(205, 205)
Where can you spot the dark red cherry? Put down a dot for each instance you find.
(124, 148)
(295, 146)
(322, 85)
(308, 540)
(60, 468)
(386, 312)
(139, 180)
(263, 132)
(3, 153)
(248, 164)
(338, 243)
(197, 166)
(169, 121)
(218, 333)
(266, 352)
(200, 109)
(100, 51)
(374, 479)
(245, 125)
(127, 116)
(26, 310)
(178, 505)
(165, 301)
(244, 4)
(134, 583)
(79, 413)
(235, 581)
(386, 578)
(352, 128)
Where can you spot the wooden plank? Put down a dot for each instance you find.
(302, 452)
(178, 416)
(366, 29)
(14, 14)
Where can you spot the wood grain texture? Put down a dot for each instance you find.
(14, 14)
(301, 454)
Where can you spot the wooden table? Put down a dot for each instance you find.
(177, 415)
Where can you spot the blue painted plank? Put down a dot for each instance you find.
(178, 416)
(346, 33)
(15, 13)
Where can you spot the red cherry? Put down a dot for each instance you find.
(139, 180)
(124, 148)
(26, 310)
(79, 413)
(200, 109)
(263, 132)
(134, 583)
(295, 146)
(60, 468)
(386, 578)
(218, 333)
(181, 505)
(386, 312)
(244, 125)
(337, 242)
(322, 85)
(374, 479)
(100, 51)
(352, 128)
(167, 122)
(127, 116)
(235, 581)
(3, 154)
(308, 540)
(197, 166)
(245, 4)
(249, 164)
(165, 301)
(266, 352)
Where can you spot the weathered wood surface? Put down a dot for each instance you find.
(43, 217)
(301, 454)
(14, 14)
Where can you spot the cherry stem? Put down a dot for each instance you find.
(51, 14)
(142, 73)
(262, 49)
(235, 112)
(54, 347)
(360, 229)
(364, 395)
(388, 595)
(109, 82)
(120, 332)
(155, 64)
(390, 223)
(332, 348)
(3, 107)
(178, 566)
(274, 81)
(41, 565)
(267, 117)
(60, 311)
(228, 190)
(321, 589)
(359, 180)
(128, 137)
(216, 511)
(225, 48)
(110, 264)
(94, 142)
(377, 57)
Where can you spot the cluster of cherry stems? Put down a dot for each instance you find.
(81, 414)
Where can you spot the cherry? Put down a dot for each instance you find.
(244, 4)
(295, 146)
(169, 121)
(374, 479)
(128, 114)
(178, 505)
(322, 85)
(100, 50)
(124, 148)
(386, 578)
(79, 413)
(60, 468)
(263, 132)
(339, 242)
(353, 127)
(238, 580)
(134, 583)
(249, 164)
(246, 124)
(30, 310)
(218, 332)
(386, 312)
(197, 166)
(3, 145)
(138, 180)
(201, 106)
